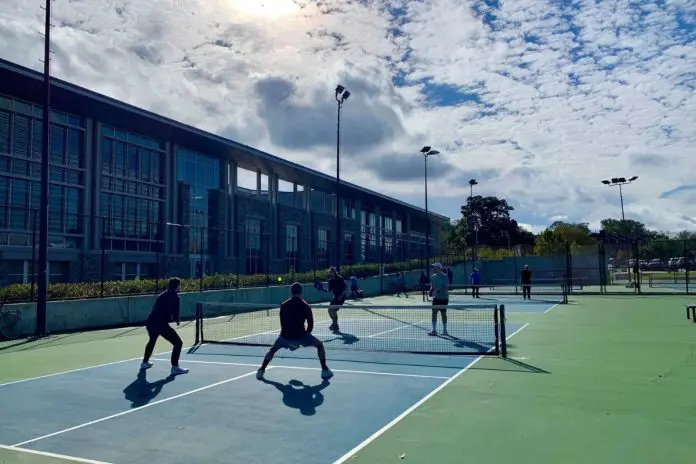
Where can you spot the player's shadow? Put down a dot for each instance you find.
(297, 395)
(460, 343)
(346, 338)
(140, 392)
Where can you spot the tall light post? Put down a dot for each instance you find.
(473, 182)
(341, 95)
(427, 152)
(621, 181)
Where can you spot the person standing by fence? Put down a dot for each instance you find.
(475, 283)
(526, 280)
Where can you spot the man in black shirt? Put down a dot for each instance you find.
(526, 279)
(294, 312)
(166, 309)
(337, 285)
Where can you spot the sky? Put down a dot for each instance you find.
(537, 100)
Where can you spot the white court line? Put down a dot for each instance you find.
(395, 329)
(51, 455)
(399, 418)
(119, 362)
(129, 411)
(551, 308)
(302, 368)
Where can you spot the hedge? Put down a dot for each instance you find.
(85, 290)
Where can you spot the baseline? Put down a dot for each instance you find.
(51, 455)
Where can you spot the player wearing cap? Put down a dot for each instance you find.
(165, 310)
(294, 312)
(337, 285)
(439, 290)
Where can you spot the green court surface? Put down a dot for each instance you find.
(603, 379)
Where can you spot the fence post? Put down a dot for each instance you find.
(687, 260)
(601, 262)
(33, 254)
(636, 265)
(569, 268)
(200, 278)
(101, 247)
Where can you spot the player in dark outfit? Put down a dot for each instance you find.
(166, 309)
(526, 278)
(337, 285)
(293, 333)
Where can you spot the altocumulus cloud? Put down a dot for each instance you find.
(538, 100)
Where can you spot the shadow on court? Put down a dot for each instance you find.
(140, 391)
(297, 395)
(507, 365)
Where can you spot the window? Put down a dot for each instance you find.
(388, 236)
(291, 247)
(349, 254)
(349, 210)
(253, 246)
(286, 193)
(264, 192)
(132, 198)
(247, 182)
(322, 248)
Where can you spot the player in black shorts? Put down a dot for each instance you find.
(166, 309)
(293, 333)
(337, 285)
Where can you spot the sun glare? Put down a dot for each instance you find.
(268, 9)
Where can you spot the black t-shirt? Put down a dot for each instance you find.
(293, 314)
(165, 310)
(526, 276)
(337, 285)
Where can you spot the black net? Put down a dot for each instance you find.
(471, 329)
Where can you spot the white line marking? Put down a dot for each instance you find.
(395, 329)
(51, 455)
(398, 419)
(348, 371)
(551, 308)
(129, 411)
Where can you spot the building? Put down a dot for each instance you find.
(136, 195)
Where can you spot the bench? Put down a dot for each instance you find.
(691, 312)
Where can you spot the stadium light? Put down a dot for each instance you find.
(341, 95)
(620, 181)
(427, 151)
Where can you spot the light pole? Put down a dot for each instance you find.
(426, 152)
(473, 182)
(341, 95)
(621, 181)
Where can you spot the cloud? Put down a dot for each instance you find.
(538, 100)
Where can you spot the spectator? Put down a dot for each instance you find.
(475, 283)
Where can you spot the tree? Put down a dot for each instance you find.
(487, 221)
(628, 229)
(552, 241)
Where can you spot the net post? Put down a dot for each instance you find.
(503, 335)
(497, 330)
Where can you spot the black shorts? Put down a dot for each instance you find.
(163, 330)
(440, 302)
(338, 300)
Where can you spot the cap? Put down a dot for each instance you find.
(436, 265)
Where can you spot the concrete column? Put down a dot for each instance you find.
(92, 190)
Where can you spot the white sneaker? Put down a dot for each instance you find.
(146, 365)
(176, 370)
(432, 333)
(444, 332)
(326, 374)
(259, 374)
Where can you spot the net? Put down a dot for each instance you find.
(556, 287)
(471, 329)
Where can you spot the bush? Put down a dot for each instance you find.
(85, 290)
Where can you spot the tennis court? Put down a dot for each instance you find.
(583, 379)
(220, 412)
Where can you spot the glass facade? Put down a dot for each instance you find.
(368, 236)
(253, 246)
(132, 191)
(291, 246)
(21, 135)
(322, 248)
(202, 173)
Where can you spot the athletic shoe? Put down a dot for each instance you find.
(326, 374)
(146, 365)
(444, 332)
(432, 333)
(178, 370)
(259, 374)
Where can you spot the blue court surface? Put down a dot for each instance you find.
(219, 412)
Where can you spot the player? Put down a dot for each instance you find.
(439, 290)
(165, 310)
(526, 279)
(293, 334)
(475, 283)
(337, 285)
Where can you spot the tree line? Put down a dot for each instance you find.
(486, 224)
